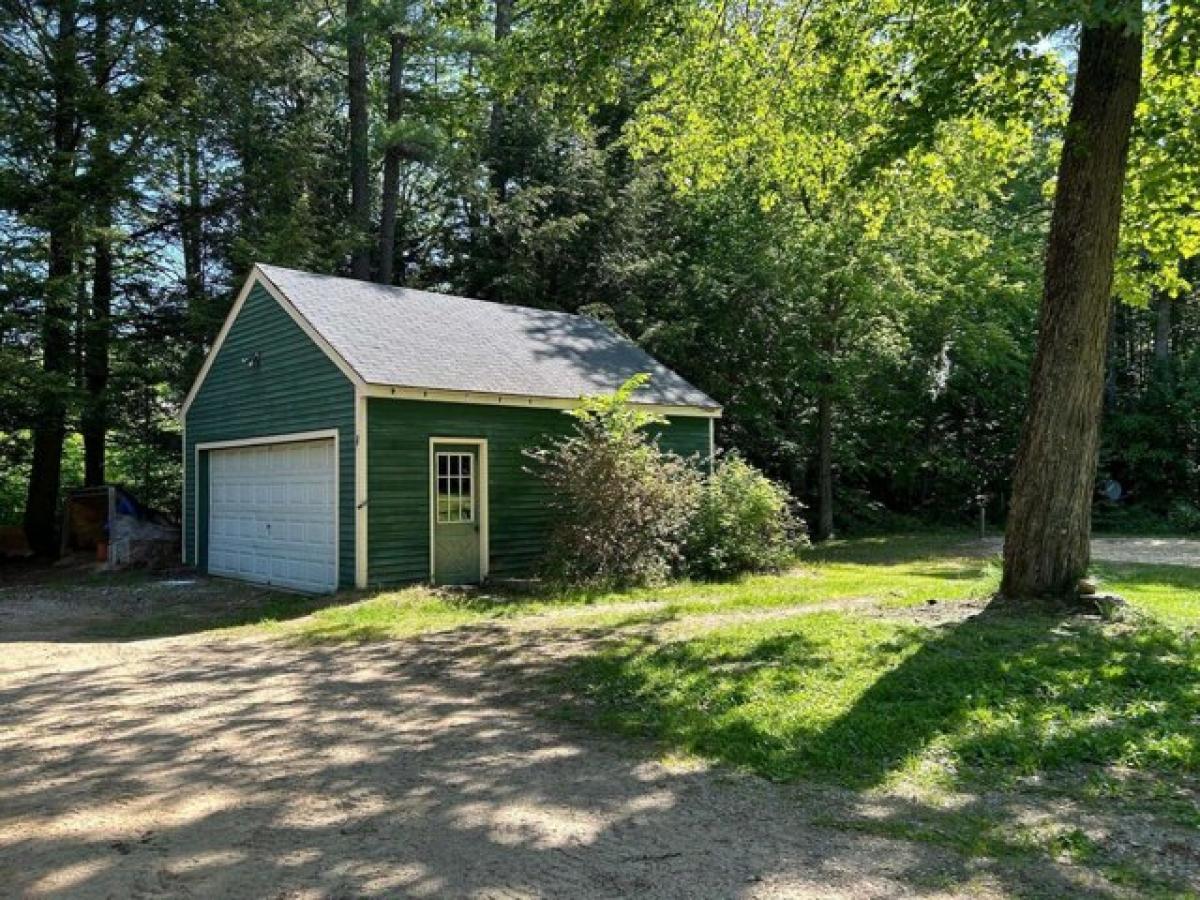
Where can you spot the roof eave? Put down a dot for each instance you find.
(525, 401)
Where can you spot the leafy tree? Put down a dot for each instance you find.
(830, 216)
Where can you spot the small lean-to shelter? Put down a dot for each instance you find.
(110, 524)
(342, 433)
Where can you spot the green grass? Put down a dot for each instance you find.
(862, 701)
(1170, 594)
(903, 572)
(948, 718)
(891, 572)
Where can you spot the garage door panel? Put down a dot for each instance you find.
(273, 514)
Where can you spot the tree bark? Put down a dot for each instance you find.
(824, 466)
(360, 198)
(96, 358)
(391, 161)
(191, 239)
(1162, 332)
(499, 155)
(1046, 549)
(62, 220)
(97, 330)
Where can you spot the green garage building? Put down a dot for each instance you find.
(342, 433)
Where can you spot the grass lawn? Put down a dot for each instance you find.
(908, 571)
(891, 572)
(1104, 715)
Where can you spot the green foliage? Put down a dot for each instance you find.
(743, 523)
(787, 202)
(1150, 443)
(621, 504)
(1184, 516)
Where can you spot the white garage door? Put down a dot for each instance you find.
(273, 514)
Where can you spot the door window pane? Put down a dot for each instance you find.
(455, 488)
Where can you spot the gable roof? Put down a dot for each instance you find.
(403, 338)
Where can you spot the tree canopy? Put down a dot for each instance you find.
(829, 215)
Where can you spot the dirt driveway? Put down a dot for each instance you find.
(207, 767)
(247, 769)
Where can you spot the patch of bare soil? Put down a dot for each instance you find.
(77, 602)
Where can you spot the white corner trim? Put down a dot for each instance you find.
(257, 276)
(361, 499)
(484, 512)
(183, 466)
(294, 437)
(712, 445)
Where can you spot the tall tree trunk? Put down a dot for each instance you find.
(62, 219)
(1046, 549)
(191, 239)
(391, 161)
(499, 154)
(360, 198)
(96, 357)
(824, 466)
(94, 424)
(1162, 333)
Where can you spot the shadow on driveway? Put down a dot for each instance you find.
(422, 768)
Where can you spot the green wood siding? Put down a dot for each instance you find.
(398, 480)
(295, 388)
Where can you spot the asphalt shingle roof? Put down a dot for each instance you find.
(406, 338)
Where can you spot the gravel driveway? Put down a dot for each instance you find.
(251, 769)
(1164, 551)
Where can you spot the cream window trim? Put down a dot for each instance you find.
(455, 487)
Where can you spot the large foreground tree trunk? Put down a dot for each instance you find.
(360, 198)
(1046, 547)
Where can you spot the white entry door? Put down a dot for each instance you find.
(273, 514)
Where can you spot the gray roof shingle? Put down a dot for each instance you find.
(406, 338)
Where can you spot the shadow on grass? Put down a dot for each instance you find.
(425, 766)
(954, 572)
(1134, 576)
(971, 707)
(216, 609)
(416, 769)
(897, 549)
(1002, 695)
